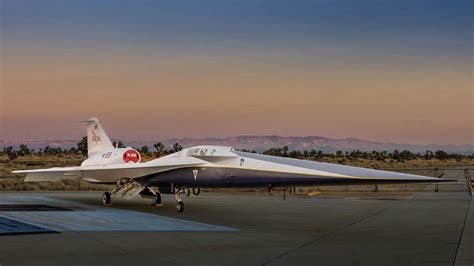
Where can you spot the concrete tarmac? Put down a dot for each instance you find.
(221, 229)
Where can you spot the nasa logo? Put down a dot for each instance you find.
(95, 136)
(131, 156)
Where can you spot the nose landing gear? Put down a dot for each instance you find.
(180, 206)
(177, 197)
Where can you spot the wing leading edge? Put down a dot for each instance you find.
(340, 173)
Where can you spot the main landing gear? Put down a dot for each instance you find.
(157, 200)
(155, 196)
(128, 188)
(106, 199)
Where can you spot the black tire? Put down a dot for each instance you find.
(157, 199)
(106, 199)
(180, 206)
(187, 191)
(196, 191)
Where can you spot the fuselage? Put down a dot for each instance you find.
(225, 167)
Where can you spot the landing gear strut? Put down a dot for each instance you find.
(177, 197)
(149, 193)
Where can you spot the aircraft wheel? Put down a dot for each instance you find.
(196, 191)
(180, 206)
(157, 199)
(187, 191)
(106, 199)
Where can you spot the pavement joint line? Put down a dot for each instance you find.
(462, 230)
(331, 233)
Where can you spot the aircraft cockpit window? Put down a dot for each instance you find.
(203, 152)
(192, 152)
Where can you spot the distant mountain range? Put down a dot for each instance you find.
(261, 143)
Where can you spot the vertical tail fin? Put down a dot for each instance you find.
(97, 140)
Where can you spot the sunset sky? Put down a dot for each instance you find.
(381, 70)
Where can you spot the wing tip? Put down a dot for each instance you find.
(441, 180)
(19, 171)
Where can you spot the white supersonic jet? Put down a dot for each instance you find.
(203, 167)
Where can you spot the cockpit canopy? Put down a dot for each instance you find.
(208, 151)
